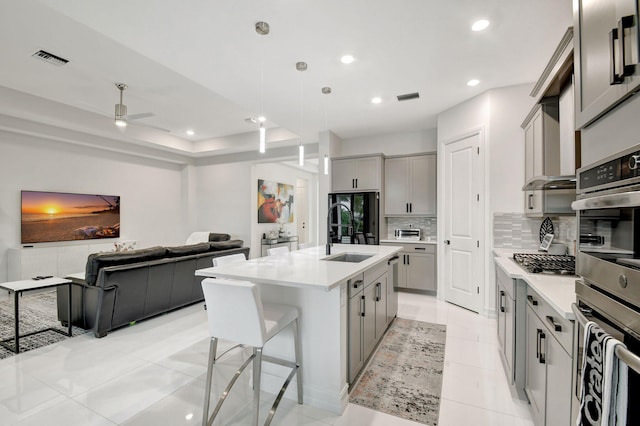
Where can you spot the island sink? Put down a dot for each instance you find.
(349, 257)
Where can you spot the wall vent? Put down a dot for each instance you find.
(50, 58)
(408, 96)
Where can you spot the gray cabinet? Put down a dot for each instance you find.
(410, 186)
(370, 304)
(548, 363)
(361, 174)
(417, 267)
(606, 56)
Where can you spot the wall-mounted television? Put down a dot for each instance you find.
(59, 216)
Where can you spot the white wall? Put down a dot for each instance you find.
(154, 207)
(390, 144)
(499, 113)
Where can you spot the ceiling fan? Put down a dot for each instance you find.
(122, 118)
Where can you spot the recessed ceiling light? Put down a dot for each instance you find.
(376, 100)
(262, 119)
(347, 59)
(473, 82)
(190, 132)
(480, 25)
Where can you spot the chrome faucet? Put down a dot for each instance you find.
(350, 229)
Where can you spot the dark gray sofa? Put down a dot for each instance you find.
(121, 288)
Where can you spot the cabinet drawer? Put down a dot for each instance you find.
(559, 327)
(374, 272)
(355, 285)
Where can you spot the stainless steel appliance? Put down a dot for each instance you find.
(608, 291)
(412, 234)
(365, 209)
(546, 263)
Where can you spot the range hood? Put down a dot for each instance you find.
(550, 183)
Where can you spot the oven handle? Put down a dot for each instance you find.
(621, 200)
(628, 357)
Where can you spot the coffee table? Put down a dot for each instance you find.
(19, 287)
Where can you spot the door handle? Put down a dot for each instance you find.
(625, 69)
(530, 202)
(533, 301)
(538, 331)
(543, 355)
(614, 78)
(447, 242)
(406, 208)
(501, 301)
(356, 183)
(357, 283)
(378, 292)
(410, 207)
(408, 259)
(362, 305)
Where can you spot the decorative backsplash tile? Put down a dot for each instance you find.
(514, 230)
(427, 225)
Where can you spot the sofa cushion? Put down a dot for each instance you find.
(188, 249)
(224, 245)
(219, 237)
(96, 261)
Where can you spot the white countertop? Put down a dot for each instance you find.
(558, 291)
(303, 268)
(406, 241)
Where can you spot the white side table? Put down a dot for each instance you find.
(18, 287)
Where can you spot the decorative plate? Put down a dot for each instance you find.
(546, 228)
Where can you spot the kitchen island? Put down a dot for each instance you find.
(310, 280)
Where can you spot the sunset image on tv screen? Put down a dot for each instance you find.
(55, 216)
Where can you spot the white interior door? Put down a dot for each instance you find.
(464, 278)
(302, 211)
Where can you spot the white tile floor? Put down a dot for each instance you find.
(153, 374)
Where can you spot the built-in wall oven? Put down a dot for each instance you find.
(608, 261)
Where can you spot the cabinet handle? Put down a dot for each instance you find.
(378, 293)
(530, 202)
(501, 301)
(410, 207)
(353, 183)
(406, 208)
(362, 305)
(614, 78)
(419, 248)
(356, 183)
(543, 355)
(357, 283)
(556, 325)
(625, 70)
(408, 259)
(533, 301)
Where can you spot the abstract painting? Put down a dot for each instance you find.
(275, 202)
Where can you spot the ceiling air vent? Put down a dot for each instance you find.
(50, 58)
(408, 96)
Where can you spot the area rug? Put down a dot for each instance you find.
(404, 376)
(37, 311)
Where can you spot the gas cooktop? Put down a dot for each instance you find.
(554, 264)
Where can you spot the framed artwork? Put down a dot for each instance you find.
(275, 202)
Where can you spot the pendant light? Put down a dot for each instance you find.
(301, 66)
(326, 91)
(263, 29)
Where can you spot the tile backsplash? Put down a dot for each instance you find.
(514, 230)
(427, 225)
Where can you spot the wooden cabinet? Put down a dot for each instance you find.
(361, 174)
(410, 186)
(606, 56)
(548, 363)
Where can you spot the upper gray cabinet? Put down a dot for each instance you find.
(356, 174)
(410, 186)
(606, 56)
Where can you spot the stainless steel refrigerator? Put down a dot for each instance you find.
(365, 207)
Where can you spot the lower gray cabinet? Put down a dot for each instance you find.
(417, 266)
(370, 302)
(548, 363)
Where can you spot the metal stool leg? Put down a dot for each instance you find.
(257, 370)
(296, 342)
(213, 347)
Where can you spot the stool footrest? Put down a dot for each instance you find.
(274, 407)
(228, 389)
(279, 361)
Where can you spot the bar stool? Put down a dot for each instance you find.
(236, 313)
(231, 258)
(278, 251)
